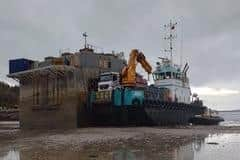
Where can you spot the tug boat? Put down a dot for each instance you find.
(208, 118)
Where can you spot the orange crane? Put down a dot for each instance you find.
(128, 74)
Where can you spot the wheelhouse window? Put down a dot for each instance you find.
(104, 78)
(174, 75)
(162, 76)
(159, 76)
(168, 75)
(178, 76)
(155, 77)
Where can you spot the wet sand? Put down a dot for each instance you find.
(107, 143)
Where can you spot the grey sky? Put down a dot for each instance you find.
(35, 29)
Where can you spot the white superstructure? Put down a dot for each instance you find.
(168, 75)
(171, 76)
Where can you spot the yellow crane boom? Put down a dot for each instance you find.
(128, 73)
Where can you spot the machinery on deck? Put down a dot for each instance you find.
(129, 75)
(108, 81)
(125, 88)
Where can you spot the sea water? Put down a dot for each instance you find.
(230, 118)
(211, 147)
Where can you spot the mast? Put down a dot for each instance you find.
(85, 39)
(170, 37)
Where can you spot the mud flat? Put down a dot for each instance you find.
(117, 143)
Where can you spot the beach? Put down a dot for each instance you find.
(179, 142)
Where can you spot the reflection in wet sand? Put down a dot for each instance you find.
(129, 150)
(11, 155)
(105, 144)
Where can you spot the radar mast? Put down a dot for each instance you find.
(85, 39)
(169, 37)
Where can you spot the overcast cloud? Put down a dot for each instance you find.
(35, 29)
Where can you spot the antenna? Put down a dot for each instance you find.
(170, 37)
(85, 39)
(181, 46)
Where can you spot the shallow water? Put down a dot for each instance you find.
(211, 147)
(217, 146)
(227, 147)
(231, 118)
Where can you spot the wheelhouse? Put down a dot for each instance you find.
(167, 71)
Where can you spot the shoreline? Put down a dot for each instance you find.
(92, 134)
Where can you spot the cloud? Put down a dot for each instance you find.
(207, 91)
(218, 98)
(35, 29)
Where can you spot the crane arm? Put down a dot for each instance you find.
(145, 65)
(129, 72)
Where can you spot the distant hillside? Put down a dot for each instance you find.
(9, 96)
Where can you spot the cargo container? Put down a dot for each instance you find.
(18, 65)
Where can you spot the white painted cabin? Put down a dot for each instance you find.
(169, 75)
